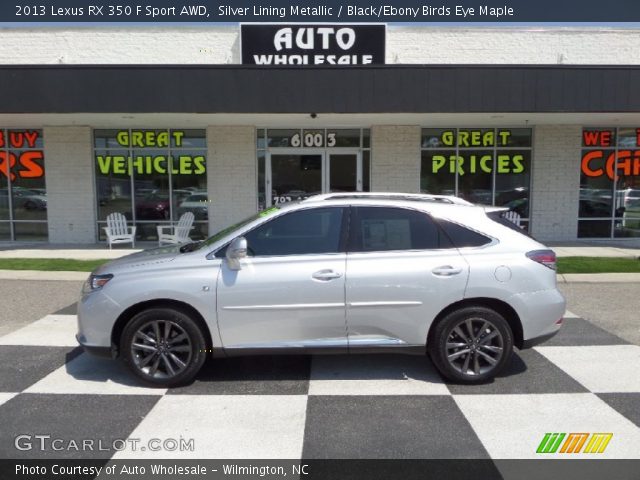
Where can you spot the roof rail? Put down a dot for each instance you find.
(389, 196)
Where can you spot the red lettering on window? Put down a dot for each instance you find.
(32, 137)
(7, 162)
(31, 168)
(586, 160)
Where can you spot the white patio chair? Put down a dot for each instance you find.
(117, 230)
(512, 216)
(177, 233)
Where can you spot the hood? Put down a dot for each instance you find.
(146, 258)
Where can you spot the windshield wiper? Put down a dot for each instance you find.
(190, 247)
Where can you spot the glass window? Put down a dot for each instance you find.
(490, 166)
(343, 138)
(366, 138)
(23, 194)
(475, 176)
(261, 138)
(284, 138)
(149, 174)
(375, 229)
(512, 180)
(461, 236)
(366, 170)
(610, 183)
(302, 232)
(438, 172)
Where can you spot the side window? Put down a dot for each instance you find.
(314, 230)
(376, 229)
(463, 237)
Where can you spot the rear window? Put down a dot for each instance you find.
(379, 229)
(461, 236)
(498, 217)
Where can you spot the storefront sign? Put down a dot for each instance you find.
(313, 139)
(469, 162)
(182, 164)
(338, 44)
(17, 163)
(602, 144)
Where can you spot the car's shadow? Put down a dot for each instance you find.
(283, 374)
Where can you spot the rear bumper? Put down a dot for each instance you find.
(532, 342)
(539, 313)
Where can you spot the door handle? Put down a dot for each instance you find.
(326, 275)
(446, 271)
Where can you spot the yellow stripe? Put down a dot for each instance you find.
(595, 447)
(607, 439)
(590, 444)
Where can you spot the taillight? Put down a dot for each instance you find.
(545, 257)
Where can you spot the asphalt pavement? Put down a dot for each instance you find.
(614, 307)
(25, 301)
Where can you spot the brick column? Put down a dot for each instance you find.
(555, 182)
(395, 158)
(71, 199)
(232, 177)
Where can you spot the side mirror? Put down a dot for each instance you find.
(236, 251)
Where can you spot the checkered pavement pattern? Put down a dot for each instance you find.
(321, 407)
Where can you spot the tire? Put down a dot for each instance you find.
(471, 358)
(179, 356)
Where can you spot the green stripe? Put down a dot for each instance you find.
(543, 443)
(558, 442)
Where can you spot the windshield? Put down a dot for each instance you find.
(223, 233)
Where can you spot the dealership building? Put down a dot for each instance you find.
(155, 121)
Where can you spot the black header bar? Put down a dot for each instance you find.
(361, 89)
(296, 11)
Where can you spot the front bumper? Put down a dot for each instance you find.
(97, 350)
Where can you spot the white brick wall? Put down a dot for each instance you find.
(395, 158)
(119, 45)
(231, 174)
(530, 45)
(70, 185)
(556, 182)
(220, 44)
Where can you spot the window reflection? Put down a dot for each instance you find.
(483, 165)
(610, 183)
(23, 194)
(152, 177)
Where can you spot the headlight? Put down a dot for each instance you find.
(96, 282)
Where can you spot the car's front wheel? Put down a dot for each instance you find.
(164, 347)
(471, 345)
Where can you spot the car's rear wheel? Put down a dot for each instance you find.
(163, 347)
(471, 345)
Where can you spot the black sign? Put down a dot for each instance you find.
(339, 44)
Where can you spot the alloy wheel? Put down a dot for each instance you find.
(474, 346)
(161, 349)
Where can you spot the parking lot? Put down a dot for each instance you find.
(360, 407)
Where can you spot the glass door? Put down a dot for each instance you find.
(343, 172)
(293, 176)
(296, 174)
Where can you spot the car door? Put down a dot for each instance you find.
(401, 272)
(289, 292)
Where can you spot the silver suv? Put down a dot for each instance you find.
(335, 273)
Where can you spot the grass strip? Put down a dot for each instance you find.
(565, 264)
(50, 264)
(598, 265)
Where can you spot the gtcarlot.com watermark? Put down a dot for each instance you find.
(45, 442)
